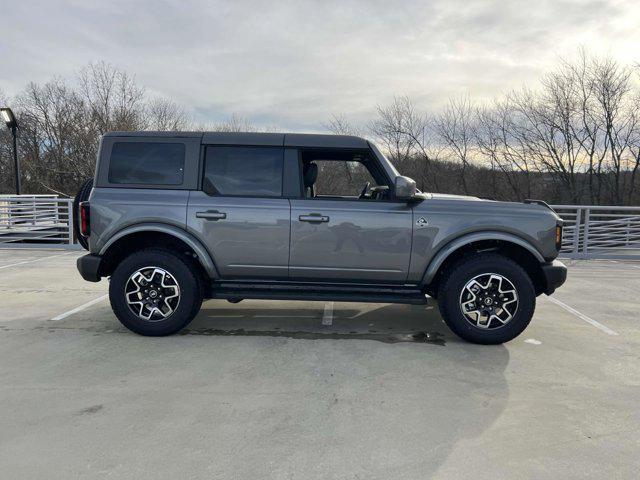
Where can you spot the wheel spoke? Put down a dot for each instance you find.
(489, 301)
(152, 293)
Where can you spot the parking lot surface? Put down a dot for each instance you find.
(315, 390)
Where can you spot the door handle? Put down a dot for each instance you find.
(313, 218)
(211, 215)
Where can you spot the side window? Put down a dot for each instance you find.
(243, 171)
(342, 174)
(147, 163)
(342, 178)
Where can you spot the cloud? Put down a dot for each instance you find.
(292, 64)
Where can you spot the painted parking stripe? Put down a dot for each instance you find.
(35, 260)
(625, 264)
(327, 316)
(582, 316)
(64, 315)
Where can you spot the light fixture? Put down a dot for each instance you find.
(9, 118)
(12, 124)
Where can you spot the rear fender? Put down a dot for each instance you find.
(201, 252)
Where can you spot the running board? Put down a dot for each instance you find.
(263, 291)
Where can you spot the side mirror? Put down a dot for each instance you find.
(405, 188)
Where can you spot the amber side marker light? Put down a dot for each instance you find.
(558, 237)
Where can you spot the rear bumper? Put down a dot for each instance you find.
(89, 267)
(555, 274)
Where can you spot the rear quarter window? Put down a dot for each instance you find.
(243, 171)
(147, 163)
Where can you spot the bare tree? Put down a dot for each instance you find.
(235, 123)
(501, 144)
(340, 125)
(165, 115)
(406, 135)
(454, 127)
(617, 107)
(113, 98)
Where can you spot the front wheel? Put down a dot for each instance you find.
(155, 292)
(486, 298)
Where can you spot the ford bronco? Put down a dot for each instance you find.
(175, 218)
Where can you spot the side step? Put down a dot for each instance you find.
(309, 292)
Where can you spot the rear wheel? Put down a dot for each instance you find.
(486, 298)
(155, 292)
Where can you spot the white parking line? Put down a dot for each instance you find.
(623, 263)
(80, 308)
(582, 316)
(327, 316)
(35, 260)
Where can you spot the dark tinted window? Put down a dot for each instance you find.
(147, 163)
(246, 171)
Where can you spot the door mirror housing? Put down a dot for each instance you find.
(405, 188)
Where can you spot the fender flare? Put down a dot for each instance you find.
(440, 257)
(201, 252)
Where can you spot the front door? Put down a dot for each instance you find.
(240, 215)
(346, 228)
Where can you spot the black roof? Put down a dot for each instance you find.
(255, 138)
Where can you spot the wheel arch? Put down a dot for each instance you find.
(140, 236)
(512, 246)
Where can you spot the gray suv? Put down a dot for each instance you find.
(175, 218)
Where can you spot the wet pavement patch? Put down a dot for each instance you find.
(435, 338)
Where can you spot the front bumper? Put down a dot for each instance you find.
(89, 267)
(555, 274)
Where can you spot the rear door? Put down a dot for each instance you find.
(240, 213)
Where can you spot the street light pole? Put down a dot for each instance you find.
(15, 161)
(12, 124)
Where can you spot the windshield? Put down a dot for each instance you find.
(388, 166)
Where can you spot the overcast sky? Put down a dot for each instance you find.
(292, 64)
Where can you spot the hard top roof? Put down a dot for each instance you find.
(258, 139)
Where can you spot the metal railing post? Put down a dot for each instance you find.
(70, 221)
(576, 232)
(585, 240)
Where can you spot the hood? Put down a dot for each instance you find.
(485, 206)
(447, 196)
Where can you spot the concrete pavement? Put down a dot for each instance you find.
(314, 391)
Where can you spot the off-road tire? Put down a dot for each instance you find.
(186, 275)
(456, 277)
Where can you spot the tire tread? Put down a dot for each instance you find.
(150, 329)
(471, 334)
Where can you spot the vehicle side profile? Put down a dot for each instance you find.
(175, 218)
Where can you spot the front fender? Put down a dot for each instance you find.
(439, 258)
(201, 252)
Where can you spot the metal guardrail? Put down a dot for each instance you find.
(589, 231)
(41, 219)
(600, 231)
